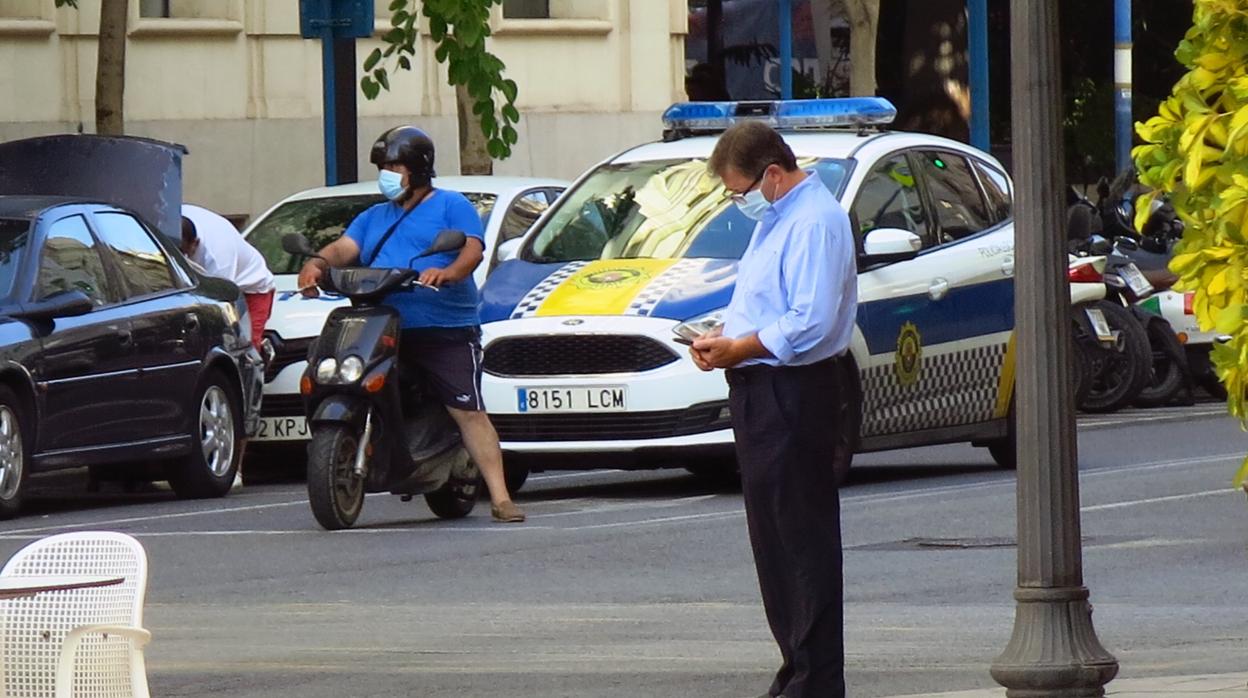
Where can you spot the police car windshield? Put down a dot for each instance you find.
(658, 209)
(322, 220)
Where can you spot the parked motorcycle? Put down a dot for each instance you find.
(374, 427)
(1110, 340)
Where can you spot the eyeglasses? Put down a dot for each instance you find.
(740, 198)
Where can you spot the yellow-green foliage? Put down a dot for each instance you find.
(1197, 151)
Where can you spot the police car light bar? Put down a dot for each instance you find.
(797, 113)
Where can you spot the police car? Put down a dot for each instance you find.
(508, 207)
(581, 355)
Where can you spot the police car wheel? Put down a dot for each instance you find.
(1005, 450)
(515, 475)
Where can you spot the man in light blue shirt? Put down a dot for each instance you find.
(791, 393)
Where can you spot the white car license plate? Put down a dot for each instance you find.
(612, 398)
(1135, 280)
(282, 429)
(1099, 325)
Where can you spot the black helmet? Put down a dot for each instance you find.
(405, 145)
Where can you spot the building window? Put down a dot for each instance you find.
(185, 9)
(21, 9)
(526, 9)
(154, 8)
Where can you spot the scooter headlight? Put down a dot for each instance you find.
(352, 369)
(326, 370)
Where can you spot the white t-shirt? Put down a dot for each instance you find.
(224, 253)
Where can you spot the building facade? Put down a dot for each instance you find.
(234, 82)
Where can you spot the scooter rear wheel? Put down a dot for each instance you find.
(335, 492)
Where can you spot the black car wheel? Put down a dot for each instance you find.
(216, 451)
(13, 454)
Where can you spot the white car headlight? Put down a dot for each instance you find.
(326, 370)
(351, 370)
(692, 329)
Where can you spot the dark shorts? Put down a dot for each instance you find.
(449, 360)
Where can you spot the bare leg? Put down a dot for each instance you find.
(482, 443)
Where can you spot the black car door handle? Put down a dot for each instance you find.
(124, 337)
(192, 322)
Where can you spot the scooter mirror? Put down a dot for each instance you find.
(446, 241)
(296, 244)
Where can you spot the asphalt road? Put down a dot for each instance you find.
(641, 584)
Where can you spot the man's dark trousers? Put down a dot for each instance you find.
(794, 452)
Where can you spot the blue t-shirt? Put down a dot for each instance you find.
(454, 305)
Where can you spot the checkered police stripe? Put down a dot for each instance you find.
(953, 388)
(650, 296)
(527, 307)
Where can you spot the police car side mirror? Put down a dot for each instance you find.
(509, 250)
(296, 244)
(890, 245)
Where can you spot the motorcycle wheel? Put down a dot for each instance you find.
(334, 491)
(1166, 377)
(1118, 374)
(454, 500)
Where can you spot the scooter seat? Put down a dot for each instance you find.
(1161, 279)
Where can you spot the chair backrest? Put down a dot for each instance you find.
(32, 630)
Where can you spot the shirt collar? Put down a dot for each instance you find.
(794, 195)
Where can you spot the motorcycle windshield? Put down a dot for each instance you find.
(357, 282)
(139, 174)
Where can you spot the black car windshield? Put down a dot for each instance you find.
(322, 221)
(14, 235)
(658, 208)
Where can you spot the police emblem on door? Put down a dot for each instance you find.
(909, 354)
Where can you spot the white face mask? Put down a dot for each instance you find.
(755, 205)
(391, 184)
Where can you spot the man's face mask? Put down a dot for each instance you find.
(754, 205)
(391, 184)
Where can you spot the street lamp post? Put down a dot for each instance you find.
(1054, 650)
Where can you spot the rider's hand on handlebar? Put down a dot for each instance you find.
(436, 277)
(309, 277)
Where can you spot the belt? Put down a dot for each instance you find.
(745, 374)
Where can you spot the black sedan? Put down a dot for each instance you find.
(115, 352)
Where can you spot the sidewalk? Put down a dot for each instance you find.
(1219, 685)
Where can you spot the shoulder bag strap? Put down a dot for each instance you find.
(390, 231)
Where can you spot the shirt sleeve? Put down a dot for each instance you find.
(357, 231)
(813, 273)
(462, 215)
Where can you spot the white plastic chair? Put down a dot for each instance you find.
(81, 643)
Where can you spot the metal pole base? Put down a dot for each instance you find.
(1054, 651)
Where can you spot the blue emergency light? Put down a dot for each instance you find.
(856, 112)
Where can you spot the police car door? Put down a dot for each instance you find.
(937, 326)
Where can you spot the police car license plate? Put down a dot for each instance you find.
(1099, 325)
(612, 398)
(282, 429)
(1135, 280)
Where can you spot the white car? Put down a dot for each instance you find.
(508, 206)
(582, 366)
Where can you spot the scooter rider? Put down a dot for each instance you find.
(440, 331)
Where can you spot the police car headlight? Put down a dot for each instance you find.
(351, 370)
(699, 326)
(326, 370)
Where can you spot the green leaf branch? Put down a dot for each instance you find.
(459, 28)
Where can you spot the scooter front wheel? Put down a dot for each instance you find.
(335, 492)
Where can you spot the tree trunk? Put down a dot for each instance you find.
(110, 75)
(474, 159)
(864, 20)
